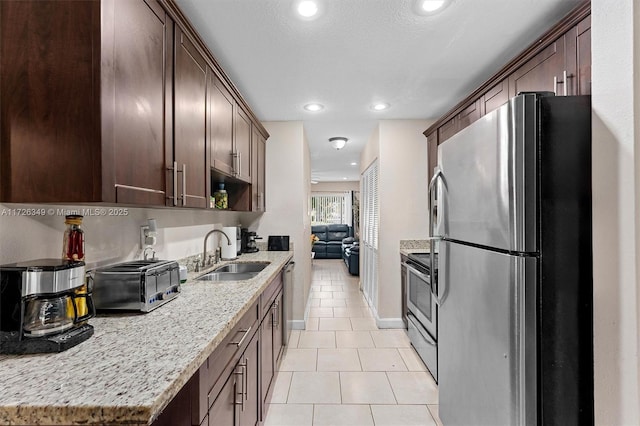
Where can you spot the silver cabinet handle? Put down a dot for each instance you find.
(175, 183)
(242, 383)
(236, 163)
(239, 164)
(555, 85)
(565, 89)
(184, 184)
(244, 336)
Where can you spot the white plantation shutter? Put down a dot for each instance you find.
(370, 224)
(330, 208)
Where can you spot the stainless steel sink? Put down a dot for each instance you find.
(227, 276)
(242, 267)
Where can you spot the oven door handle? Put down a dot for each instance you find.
(422, 276)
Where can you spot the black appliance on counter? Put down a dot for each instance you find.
(248, 241)
(422, 309)
(278, 243)
(44, 306)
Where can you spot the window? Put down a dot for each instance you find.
(328, 208)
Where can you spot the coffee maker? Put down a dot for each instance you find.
(248, 239)
(44, 306)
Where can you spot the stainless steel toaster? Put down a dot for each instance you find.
(141, 285)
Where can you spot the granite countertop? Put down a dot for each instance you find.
(413, 246)
(135, 363)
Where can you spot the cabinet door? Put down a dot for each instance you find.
(249, 415)
(242, 145)
(543, 72)
(277, 331)
(190, 84)
(583, 57)
(469, 115)
(448, 129)
(224, 410)
(432, 152)
(221, 121)
(257, 171)
(266, 332)
(142, 52)
(495, 97)
(50, 102)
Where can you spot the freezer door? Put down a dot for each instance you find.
(486, 337)
(487, 188)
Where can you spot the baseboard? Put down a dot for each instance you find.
(298, 324)
(389, 322)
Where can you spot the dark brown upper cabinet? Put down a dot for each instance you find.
(242, 144)
(81, 127)
(190, 105)
(559, 61)
(109, 101)
(230, 133)
(258, 153)
(221, 115)
(142, 60)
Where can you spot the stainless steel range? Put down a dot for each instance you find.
(422, 310)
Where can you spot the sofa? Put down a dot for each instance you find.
(329, 244)
(351, 255)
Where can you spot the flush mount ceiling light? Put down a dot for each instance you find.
(338, 142)
(313, 107)
(430, 7)
(307, 9)
(380, 106)
(354, 164)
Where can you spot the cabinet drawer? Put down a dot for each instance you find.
(228, 352)
(270, 293)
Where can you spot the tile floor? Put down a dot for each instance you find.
(343, 370)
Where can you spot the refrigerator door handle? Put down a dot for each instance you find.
(433, 281)
(437, 174)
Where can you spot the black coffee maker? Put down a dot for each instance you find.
(248, 241)
(44, 306)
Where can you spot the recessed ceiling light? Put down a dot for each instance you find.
(380, 106)
(307, 8)
(430, 7)
(354, 164)
(313, 107)
(344, 178)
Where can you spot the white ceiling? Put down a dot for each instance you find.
(361, 51)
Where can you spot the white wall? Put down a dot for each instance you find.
(288, 184)
(616, 197)
(401, 150)
(109, 238)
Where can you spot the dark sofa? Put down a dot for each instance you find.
(351, 255)
(329, 245)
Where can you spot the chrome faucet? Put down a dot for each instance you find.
(204, 250)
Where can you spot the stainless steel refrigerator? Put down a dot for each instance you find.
(512, 212)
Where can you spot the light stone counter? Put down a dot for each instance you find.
(134, 364)
(413, 246)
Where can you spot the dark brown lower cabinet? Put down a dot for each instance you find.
(237, 404)
(233, 387)
(272, 348)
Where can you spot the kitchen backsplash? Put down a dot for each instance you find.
(112, 234)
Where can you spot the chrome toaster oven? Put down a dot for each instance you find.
(141, 285)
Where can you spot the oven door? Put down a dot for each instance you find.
(420, 300)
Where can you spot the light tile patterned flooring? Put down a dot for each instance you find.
(343, 370)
